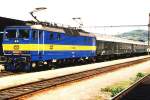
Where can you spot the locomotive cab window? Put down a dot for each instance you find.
(24, 34)
(10, 34)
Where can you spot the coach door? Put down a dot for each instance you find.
(38, 41)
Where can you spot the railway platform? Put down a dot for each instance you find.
(15, 80)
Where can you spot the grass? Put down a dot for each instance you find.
(116, 88)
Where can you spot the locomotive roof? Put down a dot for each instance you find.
(110, 38)
(70, 31)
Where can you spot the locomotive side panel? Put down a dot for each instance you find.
(64, 46)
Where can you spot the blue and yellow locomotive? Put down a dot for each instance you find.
(27, 47)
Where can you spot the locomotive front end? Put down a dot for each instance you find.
(16, 49)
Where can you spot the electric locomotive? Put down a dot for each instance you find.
(27, 47)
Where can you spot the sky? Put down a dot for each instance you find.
(92, 12)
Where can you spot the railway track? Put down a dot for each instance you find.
(18, 92)
(138, 91)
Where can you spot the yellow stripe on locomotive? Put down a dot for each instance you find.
(47, 47)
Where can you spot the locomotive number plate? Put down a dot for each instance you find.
(51, 47)
(16, 49)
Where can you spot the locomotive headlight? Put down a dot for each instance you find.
(33, 65)
(45, 63)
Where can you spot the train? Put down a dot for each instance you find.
(31, 46)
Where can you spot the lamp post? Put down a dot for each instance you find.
(36, 10)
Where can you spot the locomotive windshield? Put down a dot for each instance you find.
(10, 34)
(13, 33)
(23, 33)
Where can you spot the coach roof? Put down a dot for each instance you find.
(110, 38)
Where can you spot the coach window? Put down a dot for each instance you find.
(51, 36)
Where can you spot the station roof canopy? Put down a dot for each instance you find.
(9, 22)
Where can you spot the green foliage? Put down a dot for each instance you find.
(113, 90)
(138, 76)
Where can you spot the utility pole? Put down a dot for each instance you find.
(149, 34)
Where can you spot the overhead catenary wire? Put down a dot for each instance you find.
(115, 26)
